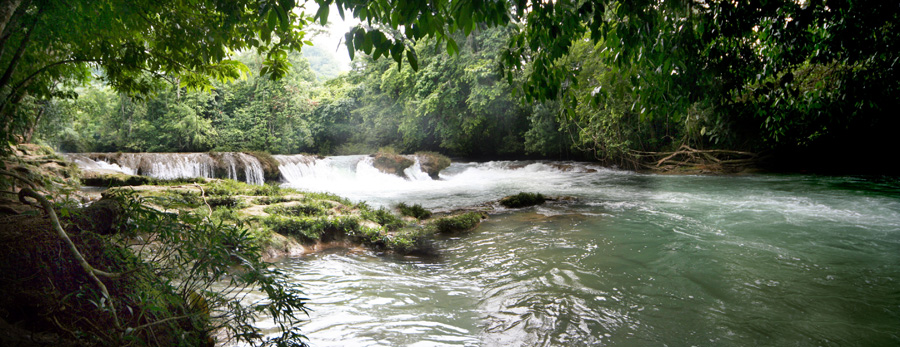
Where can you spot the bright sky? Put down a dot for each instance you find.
(337, 27)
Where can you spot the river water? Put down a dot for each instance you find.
(637, 260)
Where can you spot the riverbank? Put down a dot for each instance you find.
(80, 271)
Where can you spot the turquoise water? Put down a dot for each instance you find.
(637, 260)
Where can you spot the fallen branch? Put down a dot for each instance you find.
(203, 195)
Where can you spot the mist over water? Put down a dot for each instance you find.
(637, 260)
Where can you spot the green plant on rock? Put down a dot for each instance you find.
(456, 224)
(270, 190)
(225, 201)
(391, 163)
(313, 229)
(269, 200)
(303, 209)
(174, 198)
(416, 211)
(383, 217)
(414, 239)
(311, 196)
(523, 199)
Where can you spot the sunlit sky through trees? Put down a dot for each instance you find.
(332, 42)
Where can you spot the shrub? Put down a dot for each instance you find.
(171, 289)
(383, 217)
(225, 201)
(416, 211)
(306, 209)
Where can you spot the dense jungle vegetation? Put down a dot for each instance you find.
(804, 82)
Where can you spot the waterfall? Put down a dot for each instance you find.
(303, 170)
(415, 172)
(86, 163)
(252, 169)
(170, 165)
(233, 165)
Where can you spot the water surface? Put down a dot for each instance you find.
(637, 260)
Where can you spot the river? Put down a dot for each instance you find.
(637, 260)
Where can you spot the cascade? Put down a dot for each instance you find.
(252, 169)
(415, 172)
(297, 169)
(233, 165)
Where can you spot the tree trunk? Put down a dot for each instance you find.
(14, 63)
(29, 133)
(7, 9)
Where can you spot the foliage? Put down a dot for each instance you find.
(383, 217)
(190, 261)
(523, 199)
(607, 79)
(416, 211)
(49, 46)
(304, 209)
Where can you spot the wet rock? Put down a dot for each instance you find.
(523, 199)
(391, 163)
(432, 163)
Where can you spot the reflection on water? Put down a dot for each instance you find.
(638, 260)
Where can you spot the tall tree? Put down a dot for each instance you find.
(44, 42)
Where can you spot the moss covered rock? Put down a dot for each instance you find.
(457, 224)
(432, 163)
(392, 163)
(523, 200)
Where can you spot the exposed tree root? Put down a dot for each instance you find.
(713, 159)
(91, 271)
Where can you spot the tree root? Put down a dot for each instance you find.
(687, 156)
(88, 269)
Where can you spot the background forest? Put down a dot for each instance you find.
(803, 84)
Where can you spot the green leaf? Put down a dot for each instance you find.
(396, 52)
(452, 48)
(413, 61)
(272, 21)
(322, 14)
(348, 41)
(367, 42)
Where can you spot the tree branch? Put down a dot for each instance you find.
(14, 62)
